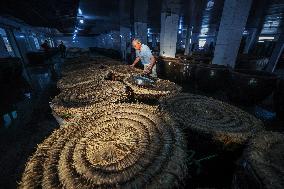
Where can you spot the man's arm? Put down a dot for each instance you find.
(151, 65)
(153, 62)
(135, 61)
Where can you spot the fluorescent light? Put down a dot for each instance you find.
(79, 11)
(261, 41)
(265, 37)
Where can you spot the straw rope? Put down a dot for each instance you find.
(115, 146)
(225, 123)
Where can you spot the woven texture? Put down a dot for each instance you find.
(159, 89)
(265, 155)
(225, 123)
(115, 146)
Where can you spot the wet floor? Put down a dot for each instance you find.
(26, 120)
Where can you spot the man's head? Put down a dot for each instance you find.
(136, 43)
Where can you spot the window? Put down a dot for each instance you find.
(50, 41)
(36, 42)
(201, 43)
(7, 43)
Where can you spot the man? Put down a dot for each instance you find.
(62, 49)
(45, 46)
(144, 54)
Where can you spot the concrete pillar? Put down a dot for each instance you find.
(193, 29)
(169, 28)
(125, 28)
(14, 44)
(3, 49)
(140, 20)
(154, 41)
(255, 23)
(188, 41)
(140, 29)
(276, 54)
(233, 21)
(250, 39)
(125, 41)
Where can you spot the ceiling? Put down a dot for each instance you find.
(59, 14)
(101, 16)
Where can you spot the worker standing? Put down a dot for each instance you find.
(62, 49)
(45, 46)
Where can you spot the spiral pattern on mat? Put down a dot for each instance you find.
(159, 89)
(115, 146)
(209, 116)
(93, 92)
(265, 156)
(82, 76)
(123, 71)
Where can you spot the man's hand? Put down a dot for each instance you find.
(132, 66)
(148, 70)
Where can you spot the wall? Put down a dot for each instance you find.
(20, 36)
(82, 42)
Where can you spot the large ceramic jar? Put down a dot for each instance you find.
(251, 86)
(211, 77)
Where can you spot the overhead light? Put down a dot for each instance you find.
(210, 4)
(76, 31)
(261, 41)
(82, 21)
(266, 37)
(80, 11)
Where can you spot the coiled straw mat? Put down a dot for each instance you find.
(114, 146)
(82, 76)
(223, 122)
(159, 89)
(263, 162)
(121, 71)
(72, 101)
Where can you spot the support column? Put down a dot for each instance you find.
(125, 41)
(250, 39)
(188, 41)
(278, 49)
(154, 40)
(255, 24)
(169, 28)
(193, 29)
(3, 49)
(125, 28)
(140, 20)
(233, 21)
